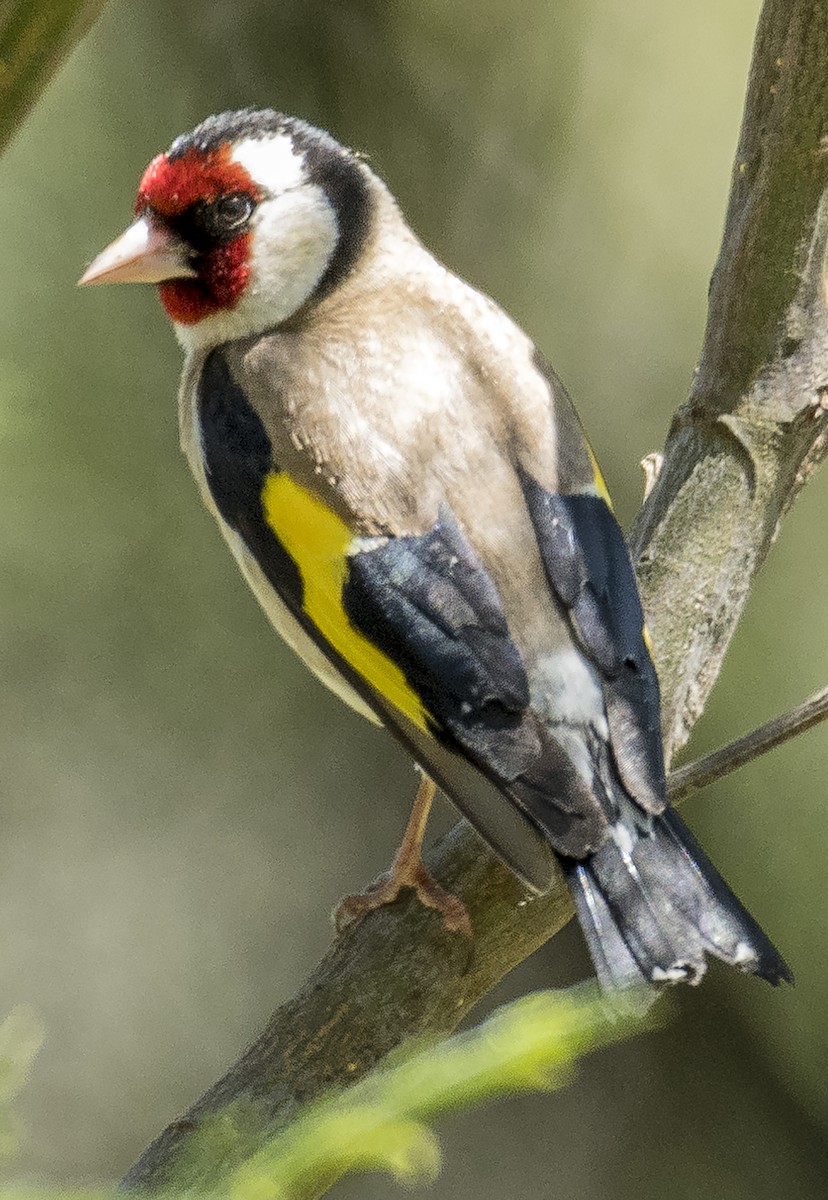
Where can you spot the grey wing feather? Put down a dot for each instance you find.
(588, 567)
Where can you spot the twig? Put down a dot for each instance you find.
(704, 771)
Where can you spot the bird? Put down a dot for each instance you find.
(410, 495)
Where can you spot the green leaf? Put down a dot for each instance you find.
(382, 1122)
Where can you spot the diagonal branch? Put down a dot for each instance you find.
(740, 449)
(699, 774)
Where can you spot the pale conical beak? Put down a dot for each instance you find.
(144, 253)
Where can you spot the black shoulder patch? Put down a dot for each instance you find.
(238, 457)
(588, 567)
(236, 447)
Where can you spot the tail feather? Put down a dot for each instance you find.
(653, 906)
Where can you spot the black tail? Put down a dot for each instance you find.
(653, 906)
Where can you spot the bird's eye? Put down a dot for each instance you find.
(232, 211)
(209, 223)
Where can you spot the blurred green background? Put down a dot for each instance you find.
(182, 803)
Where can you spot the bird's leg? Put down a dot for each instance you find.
(409, 871)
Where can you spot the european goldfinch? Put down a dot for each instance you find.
(407, 489)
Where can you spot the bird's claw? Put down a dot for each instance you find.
(386, 890)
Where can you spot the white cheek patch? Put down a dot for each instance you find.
(271, 162)
(294, 237)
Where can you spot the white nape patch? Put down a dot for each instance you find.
(675, 974)
(743, 954)
(272, 162)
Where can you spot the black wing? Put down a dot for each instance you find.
(429, 604)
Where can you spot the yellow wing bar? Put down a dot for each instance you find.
(317, 540)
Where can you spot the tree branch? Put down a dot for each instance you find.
(382, 1122)
(753, 428)
(35, 37)
(740, 449)
(699, 774)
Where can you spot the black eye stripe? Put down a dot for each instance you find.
(208, 223)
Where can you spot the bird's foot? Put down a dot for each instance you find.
(386, 889)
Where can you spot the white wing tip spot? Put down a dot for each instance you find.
(743, 954)
(678, 973)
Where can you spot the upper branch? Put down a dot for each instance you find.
(739, 450)
(753, 427)
(35, 37)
